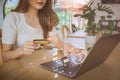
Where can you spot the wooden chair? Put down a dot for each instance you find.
(0, 46)
(68, 33)
(65, 27)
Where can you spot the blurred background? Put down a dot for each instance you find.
(65, 10)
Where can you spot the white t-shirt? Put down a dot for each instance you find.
(16, 31)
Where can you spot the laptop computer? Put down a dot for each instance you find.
(99, 53)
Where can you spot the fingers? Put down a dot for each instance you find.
(83, 56)
(29, 43)
(78, 54)
(67, 53)
(27, 53)
(28, 47)
(28, 50)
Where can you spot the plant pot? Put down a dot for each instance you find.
(90, 39)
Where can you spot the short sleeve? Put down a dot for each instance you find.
(53, 32)
(9, 29)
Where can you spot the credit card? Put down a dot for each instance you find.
(41, 41)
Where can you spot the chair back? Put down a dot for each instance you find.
(65, 27)
(0, 46)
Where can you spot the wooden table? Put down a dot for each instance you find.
(28, 68)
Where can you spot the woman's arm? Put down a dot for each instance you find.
(8, 53)
(57, 41)
(68, 48)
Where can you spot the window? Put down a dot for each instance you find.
(63, 14)
(9, 5)
(65, 10)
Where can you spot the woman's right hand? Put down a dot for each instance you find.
(28, 48)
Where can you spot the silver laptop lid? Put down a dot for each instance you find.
(100, 52)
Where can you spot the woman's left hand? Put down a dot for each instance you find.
(69, 49)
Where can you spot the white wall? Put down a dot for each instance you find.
(1, 12)
(114, 7)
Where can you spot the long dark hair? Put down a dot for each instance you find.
(47, 17)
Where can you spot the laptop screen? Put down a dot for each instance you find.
(100, 52)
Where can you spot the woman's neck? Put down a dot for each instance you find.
(32, 11)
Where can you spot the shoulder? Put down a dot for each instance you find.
(13, 18)
(14, 15)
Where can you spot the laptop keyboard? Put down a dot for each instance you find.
(61, 67)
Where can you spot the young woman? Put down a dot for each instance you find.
(32, 19)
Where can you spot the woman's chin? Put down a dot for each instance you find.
(40, 7)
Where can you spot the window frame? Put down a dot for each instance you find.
(4, 9)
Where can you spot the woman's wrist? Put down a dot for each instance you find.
(64, 44)
(20, 51)
(68, 45)
(72, 48)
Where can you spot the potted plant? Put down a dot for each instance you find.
(89, 13)
(108, 29)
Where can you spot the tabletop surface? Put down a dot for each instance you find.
(28, 68)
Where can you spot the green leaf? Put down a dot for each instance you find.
(109, 16)
(77, 15)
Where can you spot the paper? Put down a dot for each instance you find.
(78, 42)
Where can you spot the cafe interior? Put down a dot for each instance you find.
(92, 26)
